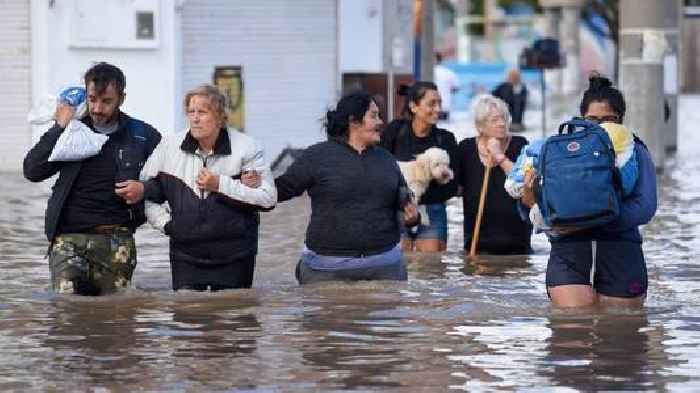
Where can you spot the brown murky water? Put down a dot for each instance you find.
(452, 326)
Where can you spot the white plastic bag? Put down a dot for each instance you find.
(44, 109)
(77, 142)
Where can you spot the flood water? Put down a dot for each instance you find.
(454, 325)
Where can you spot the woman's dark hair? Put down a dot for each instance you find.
(352, 107)
(414, 94)
(600, 89)
(103, 74)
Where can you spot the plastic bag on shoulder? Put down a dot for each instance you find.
(77, 142)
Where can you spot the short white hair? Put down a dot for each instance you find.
(483, 104)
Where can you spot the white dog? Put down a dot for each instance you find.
(432, 164)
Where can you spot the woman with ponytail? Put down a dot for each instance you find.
(357, 198)
(412, 134)
(605, 265)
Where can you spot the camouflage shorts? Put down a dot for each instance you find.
(92, 264)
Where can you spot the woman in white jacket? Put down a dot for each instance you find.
(211, 216)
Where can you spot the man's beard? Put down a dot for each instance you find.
(102, 120)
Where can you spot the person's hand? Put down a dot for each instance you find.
(493, 145)
(64, 113)
(207, 181)
(528, 198)
(410, 214)
(251, 178)
(131, 191)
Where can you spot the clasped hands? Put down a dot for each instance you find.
(132, 190)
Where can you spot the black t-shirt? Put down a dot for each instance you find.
(400, 140)
(92, 200)
(502, 230)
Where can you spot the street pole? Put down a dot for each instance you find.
(570, 42)
(418, 6)
(544, 103)
(672, 75)
(428, 41)
(389, 22)
(644, 27)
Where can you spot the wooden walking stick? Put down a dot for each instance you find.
(480, 212)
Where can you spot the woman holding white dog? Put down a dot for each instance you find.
(357, 192)
(409, 137)
(502, 231)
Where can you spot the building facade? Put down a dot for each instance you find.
(15, 84)
(283, 55)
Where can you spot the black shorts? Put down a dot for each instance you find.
(619, 269)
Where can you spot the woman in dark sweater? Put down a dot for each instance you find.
(502, 231)
(411, 135)
(356, 191)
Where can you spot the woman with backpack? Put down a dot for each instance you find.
(604, 265)
(411, 135)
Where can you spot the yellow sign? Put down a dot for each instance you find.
(229, 80)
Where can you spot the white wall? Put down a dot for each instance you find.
(15, 63)
(288, 51)
(361, 35)
(150, 73)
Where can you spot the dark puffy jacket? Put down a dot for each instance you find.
(138, 141)
(207, 228)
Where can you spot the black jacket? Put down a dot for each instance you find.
(502, 230)
(355, 198)
(137, 143)
(207, 228)
(398, 138)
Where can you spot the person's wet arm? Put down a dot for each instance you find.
(36, 165)
(157, 213)
(265, 195)
(639, 207)
(297, 179)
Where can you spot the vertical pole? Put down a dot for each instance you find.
(672, 72)
(390, 64)
(544, 103)
(417, 33)
(644, 25)
(569, 38)
(428, 41)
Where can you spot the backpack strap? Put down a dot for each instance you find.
(640, 141)
(137, 130)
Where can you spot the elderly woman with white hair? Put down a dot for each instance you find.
(215, 181)
(502, 231)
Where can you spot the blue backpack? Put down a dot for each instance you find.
(579, 185)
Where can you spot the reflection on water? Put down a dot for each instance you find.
(457, 324)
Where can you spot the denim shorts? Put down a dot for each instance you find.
(389, 265)
(437, 212)
(618, 269)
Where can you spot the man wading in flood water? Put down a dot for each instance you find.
(88, 222)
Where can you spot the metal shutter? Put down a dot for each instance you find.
(15, 86)
(288, 53)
